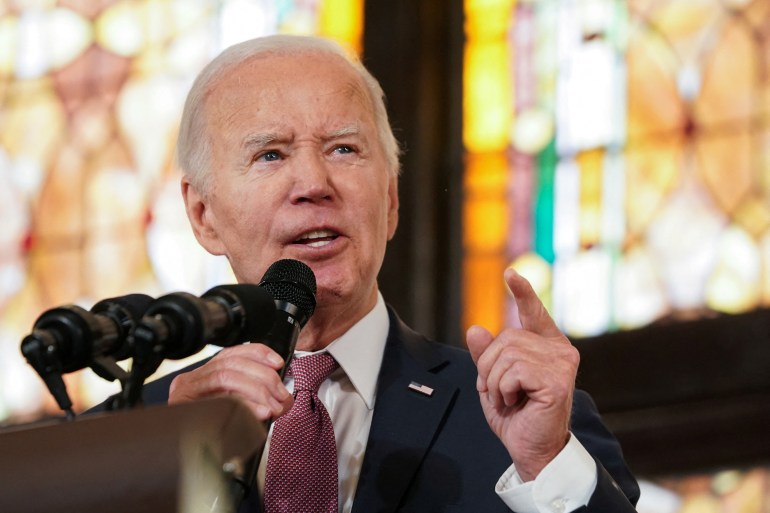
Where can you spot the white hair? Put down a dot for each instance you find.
(193, 150)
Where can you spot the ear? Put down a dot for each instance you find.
(201, 218)
(392, 206)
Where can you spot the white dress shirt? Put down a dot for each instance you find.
(349, 395)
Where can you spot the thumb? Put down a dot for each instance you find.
(478, 339)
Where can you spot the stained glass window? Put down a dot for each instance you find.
(618, 154)
(90, 97)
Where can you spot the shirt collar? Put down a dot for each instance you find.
(359, 350)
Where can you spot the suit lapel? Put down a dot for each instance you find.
(405, 421)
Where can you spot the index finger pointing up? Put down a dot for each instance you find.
(532, 313)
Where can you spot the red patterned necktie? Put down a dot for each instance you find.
(301, 474)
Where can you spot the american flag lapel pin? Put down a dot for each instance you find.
(423, 389)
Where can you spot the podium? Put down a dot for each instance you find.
(155, 459)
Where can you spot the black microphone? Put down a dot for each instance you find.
(180, 324)
(69, 338)
(293, 285)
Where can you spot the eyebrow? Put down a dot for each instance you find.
(266, 139)
(260, 140)
(343, 132)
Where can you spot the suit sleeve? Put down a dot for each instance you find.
(616, 488)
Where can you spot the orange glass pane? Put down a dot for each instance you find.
(724, 161)
(486, 172)
(485, 222)
(729, 69)
(753, 215)
(654, 107)
(484, 292)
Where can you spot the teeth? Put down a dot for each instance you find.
(317, 238)
(317, 234)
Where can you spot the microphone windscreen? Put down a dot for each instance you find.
(125, 312)
(134, 305)
(257, 304)
(293, 282)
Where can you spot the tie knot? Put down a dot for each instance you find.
(311, 370)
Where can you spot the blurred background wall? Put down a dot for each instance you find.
(616, 152)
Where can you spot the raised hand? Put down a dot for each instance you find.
(526, 381)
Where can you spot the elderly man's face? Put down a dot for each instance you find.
(298, 172)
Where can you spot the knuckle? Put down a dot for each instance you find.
(221, 378)
(572, 355)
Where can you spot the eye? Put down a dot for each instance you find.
(343, 149)
(268, 156)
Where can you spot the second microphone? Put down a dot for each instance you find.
(180, 324)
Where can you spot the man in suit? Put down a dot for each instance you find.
(287, 153)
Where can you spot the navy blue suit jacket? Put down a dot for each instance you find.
(437, 453)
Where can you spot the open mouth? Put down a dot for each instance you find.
(317, 238)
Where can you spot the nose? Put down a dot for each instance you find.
(312, 182)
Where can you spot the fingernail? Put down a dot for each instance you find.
(275, 359)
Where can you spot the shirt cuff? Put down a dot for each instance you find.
(565, 484)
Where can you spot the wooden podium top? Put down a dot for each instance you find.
(150, 459)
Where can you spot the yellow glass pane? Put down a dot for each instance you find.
(487, 100)
(120, 28)
(734, 285)
(591, 164)
(533, 130)
(652, 171)
(343, 20)
(484, 292)
(9, 26)
(33, 121)
(487, 19)
(70, 34)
